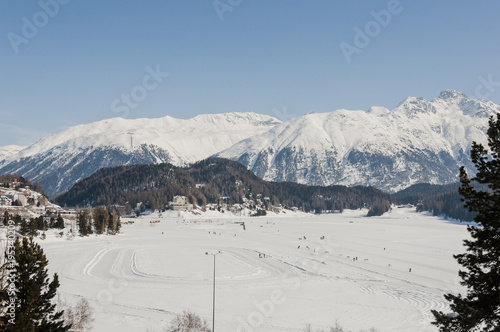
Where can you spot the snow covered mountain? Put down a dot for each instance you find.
(9, 150)
(58, 161)
(418, 141)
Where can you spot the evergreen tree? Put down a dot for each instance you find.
(479, 310)
(83, 220)
(18, 219)
(100, 215)
(52, 222)
(25, 228)
(41, 224)
(60, 222)
(33, 231)
(33, 292)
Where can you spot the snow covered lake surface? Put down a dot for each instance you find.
(358, 274)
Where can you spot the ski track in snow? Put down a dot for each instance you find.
(146, 278)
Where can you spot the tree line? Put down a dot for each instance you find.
(33, 226)
(440, 200)
(97, 221)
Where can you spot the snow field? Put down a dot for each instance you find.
(139, 280)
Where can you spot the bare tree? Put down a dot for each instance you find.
(113, 222)
(80, 316)
(336, 328)
(188, 322)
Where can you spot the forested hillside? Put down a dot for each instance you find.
(438, 199)
(213, 181)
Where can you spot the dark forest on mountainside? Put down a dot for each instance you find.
(219, 180)
(210, 181)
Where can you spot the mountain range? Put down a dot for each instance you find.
(418, 141)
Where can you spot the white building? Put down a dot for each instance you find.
(15, 195)
(180, 203)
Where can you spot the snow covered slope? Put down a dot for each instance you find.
(9, 150)
(418, 141)
(58, 161)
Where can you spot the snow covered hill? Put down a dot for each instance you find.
(58, 161)
(418, 141)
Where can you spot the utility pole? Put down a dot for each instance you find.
(131, 133)
(213, 304)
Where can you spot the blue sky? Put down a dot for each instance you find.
(277, 57)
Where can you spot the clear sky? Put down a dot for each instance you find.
(67, 62)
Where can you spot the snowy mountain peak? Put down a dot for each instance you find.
(452, 101)
(378, 110)
(412, 106)
(452, 94)
(448, 103)
(237, 119)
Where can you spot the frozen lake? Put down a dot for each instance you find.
(349, 268)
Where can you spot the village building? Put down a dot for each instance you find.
(180, 203)
(5, 201)
(15, 195)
